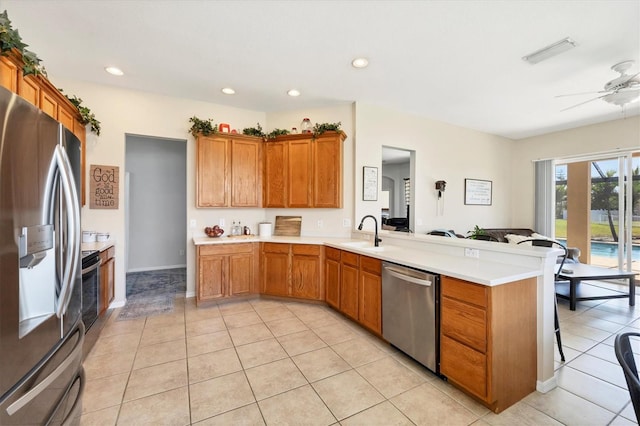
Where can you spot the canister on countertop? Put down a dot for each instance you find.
(265, 229)
(89, 236)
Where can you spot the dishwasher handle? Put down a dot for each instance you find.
(397, 273)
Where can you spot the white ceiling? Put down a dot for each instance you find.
(453, 61)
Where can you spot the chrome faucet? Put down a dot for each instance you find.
(376, 240)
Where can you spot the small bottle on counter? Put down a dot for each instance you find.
(294, 130)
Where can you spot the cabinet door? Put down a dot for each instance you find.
(66, 118)
(48, 104)
(305, 277)
(300, 174)
(275, 273)
(327, 173)
(240, 273)
(8, 74)
(464, 366)
(370, 294)
(245, 174)
(212, 163)
(275, 174)
(111, 272)
(29, 89)
(349, 290)
(211, 277)
(332, 282)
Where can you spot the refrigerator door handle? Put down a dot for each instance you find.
(70, 196)
(74, 357)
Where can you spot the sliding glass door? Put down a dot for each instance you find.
(597, 209)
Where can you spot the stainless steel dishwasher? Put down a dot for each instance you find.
(410, 314)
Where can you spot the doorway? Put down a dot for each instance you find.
(155, 186)
(397, 191)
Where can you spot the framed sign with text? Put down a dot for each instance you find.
(477, 192)
(369, 183)
(104, 187)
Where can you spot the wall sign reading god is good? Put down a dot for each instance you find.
(103, 187)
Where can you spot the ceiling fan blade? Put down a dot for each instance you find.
(583, 93)
(585, 102)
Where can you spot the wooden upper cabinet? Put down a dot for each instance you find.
(303, 171)
(48, 104)
(300, 169)
(29, 89)
(228, 171)
(8, 74)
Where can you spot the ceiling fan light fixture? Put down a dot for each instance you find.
(360, 63)
(293, 93)
(547, 52)
(114, 71)
(228, 91)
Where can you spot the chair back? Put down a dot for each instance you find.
(622, 347)
(541, 242)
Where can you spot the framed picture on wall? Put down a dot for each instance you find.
(478, 192)
(369, 183)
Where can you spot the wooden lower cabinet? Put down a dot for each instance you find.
(332, 276)
(349, 273)
(370, 294)
(293, 270)
(107, 278)
(225, 270)
(488, 339)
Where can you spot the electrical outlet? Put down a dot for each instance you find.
(192, 223)
(346, 223)
(320, 223)
(221, 222)
(469, 252)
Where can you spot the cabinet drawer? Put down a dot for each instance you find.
(204, 250)
(465, 323)
(308, 249)
(350, 258)
(371, 265)
(275, 248)
(331, 253)
(464, 366)
(465, 291)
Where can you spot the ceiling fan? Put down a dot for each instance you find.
(619, 91)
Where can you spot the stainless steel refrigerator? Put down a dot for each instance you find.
(41, 331)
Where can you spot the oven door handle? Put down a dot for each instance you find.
(92, 267)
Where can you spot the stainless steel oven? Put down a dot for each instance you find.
(90, 287)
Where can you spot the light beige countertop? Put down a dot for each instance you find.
(100, 245)
(476, 270)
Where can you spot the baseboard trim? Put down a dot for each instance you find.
(156, 268)
(547, 385)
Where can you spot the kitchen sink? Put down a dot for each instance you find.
(364, 246)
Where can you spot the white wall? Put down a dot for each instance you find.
(132, 112)
(611, 136)
(443, 152)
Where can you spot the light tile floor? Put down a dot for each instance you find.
(272, 362)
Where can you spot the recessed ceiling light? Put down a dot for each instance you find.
(228, 91)
(360, 62)
(114, 71)
(293, 92)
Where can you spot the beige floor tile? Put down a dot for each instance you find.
(156, 379)
(213, 364)
(286, 326)
(96, 367)
(127, 342)
(334, 334)
(274, 313)
(460, 397)
(250, 334)
(160, 353)
(166, 408)
(321, 363)
(568, 408)
(219, 395)
(104, 417)
(264, 302)
(600, 368)
(390, 377)
(358, 352)
(520, 414)
(327, 321)
(383, 414)
(277, 377)
(248, 415)
(155, 335)
(205, 326)
(427, 405)
(165, 320)
(104, 392)
(578, 343)
(602, 393)
(301, 342)
(203, 343)
(628, 412)
(583, 330)
(300, 406)
(235, 307)
(259, 353)
(202, 313)
(347, 393)
(241, 319)
(122, 327)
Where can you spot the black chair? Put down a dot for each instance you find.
(622, 347)
(561, 259)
